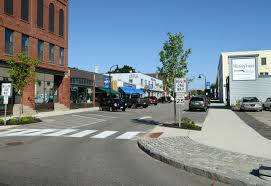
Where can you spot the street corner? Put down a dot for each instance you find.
(215, 164)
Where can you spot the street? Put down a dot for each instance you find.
(90, 148)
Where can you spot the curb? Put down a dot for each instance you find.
(195, 170)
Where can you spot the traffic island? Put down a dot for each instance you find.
(216, 164)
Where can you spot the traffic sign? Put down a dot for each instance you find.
(5, 100)
(180, 85)
(6, 89)
(180, 98)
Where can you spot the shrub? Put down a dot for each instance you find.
(2, 122)
(28, 120)
(13, 121)
(187, 123)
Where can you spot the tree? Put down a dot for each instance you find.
(21, 73)
(173, 58)
(124, 69)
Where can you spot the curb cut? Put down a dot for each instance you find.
(195, 170)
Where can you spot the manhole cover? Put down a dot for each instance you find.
(14, 143)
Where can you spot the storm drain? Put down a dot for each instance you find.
(14, 143)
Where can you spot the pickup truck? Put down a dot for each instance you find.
(135, 101)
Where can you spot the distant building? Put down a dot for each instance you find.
(150, 85)
(244, 73)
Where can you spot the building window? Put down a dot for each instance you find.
(145, 82)
(61, 22)
(51, 17)
(24, 44)
(130, 80)
(61, 56)
(142, 82)
(261, 73)
(263, 60)
(40, 13)
(9, 42)
(40, 51)
(24, 9)
(8, 7)
(51, 53)
(266, 74)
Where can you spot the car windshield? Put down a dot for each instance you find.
(196, 99)
(252, 99)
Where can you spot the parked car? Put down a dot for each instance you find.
(112, 104)
(135, 101)
(152, 100)
(164, 99)
(198, 103)
(267, 104)
(251, 103)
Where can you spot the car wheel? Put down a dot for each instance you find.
(155, 104)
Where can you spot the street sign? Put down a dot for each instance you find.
(5, 100)
(180, 98)
(6, 89)
(208, 85)
(180, 85)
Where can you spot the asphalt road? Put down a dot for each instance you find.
(99, 148)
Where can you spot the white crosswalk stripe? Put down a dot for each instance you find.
(10, 131)
(128, 135)
(42, 131)
(61, 132)
(82, 133)
(72, 133)
(104, 134)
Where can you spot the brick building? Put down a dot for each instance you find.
(40, 29)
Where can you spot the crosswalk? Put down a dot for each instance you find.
(72, 133)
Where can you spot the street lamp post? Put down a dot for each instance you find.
(110, 83)
(200, 76)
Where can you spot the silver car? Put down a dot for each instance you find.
(251, 103)
(267, 104)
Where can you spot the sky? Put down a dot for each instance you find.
(132, 32)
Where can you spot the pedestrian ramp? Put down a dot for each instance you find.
(73, 133)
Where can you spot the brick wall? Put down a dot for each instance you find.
(64, 91)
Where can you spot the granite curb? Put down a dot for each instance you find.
(228, 176)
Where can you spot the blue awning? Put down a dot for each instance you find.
(129, 90)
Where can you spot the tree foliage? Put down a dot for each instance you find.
(124, 69)
(21, 72)
(174, 60)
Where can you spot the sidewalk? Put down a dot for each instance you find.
(226, 149)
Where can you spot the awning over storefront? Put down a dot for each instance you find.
(107, 90)
(129, 90)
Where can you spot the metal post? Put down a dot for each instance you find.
(5, 122)
(180, 116)
(93, 91)
(175, 110)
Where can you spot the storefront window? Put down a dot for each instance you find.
(44, 89)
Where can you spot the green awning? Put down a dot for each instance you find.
(107, 90)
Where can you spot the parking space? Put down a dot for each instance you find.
(264, 116)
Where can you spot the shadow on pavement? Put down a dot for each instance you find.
(146, 121)
(219, 107)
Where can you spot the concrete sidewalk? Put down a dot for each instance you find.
(223, 129)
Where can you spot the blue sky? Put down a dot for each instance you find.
(107, 32)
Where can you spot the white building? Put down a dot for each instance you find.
(263, 69)
(151, 86)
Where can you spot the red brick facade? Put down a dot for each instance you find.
(30, 28)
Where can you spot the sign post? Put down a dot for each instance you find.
(6, 92)
(180, 88)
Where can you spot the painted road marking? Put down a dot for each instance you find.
(61, 132)
(104, 134)
(42, 131)
(145, 117)
(10, 131)
(101, 115)
(88, 117)
(128, 135)
(22, 132)
(82, 133)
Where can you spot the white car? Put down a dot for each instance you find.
(267, 104)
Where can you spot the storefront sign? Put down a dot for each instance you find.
(180, 85)
(6, 89)
(129, 85)
(133, 76)
(106, 82)
(243, 69)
